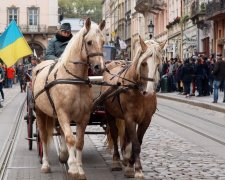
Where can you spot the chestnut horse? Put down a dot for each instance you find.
(133, 105)
(62, 93)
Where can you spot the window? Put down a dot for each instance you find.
(33, 16)
(13, 14)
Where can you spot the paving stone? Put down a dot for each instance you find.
(165, 155)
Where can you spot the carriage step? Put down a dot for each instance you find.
(32, 139)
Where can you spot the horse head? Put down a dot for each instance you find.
(93, 41)
(147, 60)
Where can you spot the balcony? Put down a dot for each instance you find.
(152, 6)
(37, 29)
(215, 10)
(198, 12)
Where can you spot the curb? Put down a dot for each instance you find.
(194, 103)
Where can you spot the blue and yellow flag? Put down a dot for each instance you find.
(13, 45)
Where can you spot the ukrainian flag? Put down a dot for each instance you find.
(13, 45)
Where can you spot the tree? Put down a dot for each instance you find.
(81, 9)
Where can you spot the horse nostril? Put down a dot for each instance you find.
(97, 67)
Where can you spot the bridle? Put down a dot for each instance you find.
(89, 55)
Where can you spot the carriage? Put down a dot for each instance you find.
(124, 84)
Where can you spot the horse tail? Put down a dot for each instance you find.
(45, 125)
(120, 124)
(49, 126)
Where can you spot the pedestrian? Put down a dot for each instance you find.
(10, 76)
(34, 62)
(178, 77)
(21, 77)
(199, 76)
(219, 77)
(187, 72)
(2, 76)
(59, 42)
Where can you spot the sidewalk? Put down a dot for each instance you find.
(204, 102)
(10, 94)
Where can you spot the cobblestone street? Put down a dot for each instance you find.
(165, 155)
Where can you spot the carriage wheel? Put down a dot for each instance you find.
(39, 146)
(30, 121)
(30, 128)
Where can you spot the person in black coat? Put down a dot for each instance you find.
(219, 77)
(199, 75)
(186, 77)
(58, 43)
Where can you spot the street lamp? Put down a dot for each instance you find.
(151, 29)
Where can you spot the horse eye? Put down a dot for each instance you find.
(89, 43)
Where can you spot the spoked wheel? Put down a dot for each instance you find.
(39, 146)
(30, 120)
(30, 128)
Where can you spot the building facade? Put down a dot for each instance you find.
(37, 19)
(215, 11)
(190, 27)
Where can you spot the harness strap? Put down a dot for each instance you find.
(61, 81)
(120, 73)
(48, 92)
(94, 54)
(67, 70)
(147, 78)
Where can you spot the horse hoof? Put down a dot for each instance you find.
(63, 157)
(73, 172)
(82, 177)
(129, 172)
(45, 169)
(139, 175)
(73, 176)
(116, 166)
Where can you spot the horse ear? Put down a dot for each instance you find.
(162, 44)
(143, 45)
(88, 24)
(102, 25)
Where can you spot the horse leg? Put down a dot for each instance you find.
(127, 153)
(136, 148)
(80, 130)
(63, 151)
(64, 122)
(116, 163)
(140, 134)
(42, 121)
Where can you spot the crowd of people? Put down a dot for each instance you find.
(17, 73)
(196, 76)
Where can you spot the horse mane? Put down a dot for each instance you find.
(116, 63)
(78, 39)
(153, 49)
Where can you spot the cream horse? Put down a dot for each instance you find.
(130, 110)
(62, 94)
